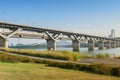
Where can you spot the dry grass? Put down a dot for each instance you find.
(30, 71)
(62, 55)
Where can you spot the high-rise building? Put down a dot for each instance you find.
(112, 35)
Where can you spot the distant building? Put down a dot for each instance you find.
(112, 35)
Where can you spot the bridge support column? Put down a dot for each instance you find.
(4, 39)
(101, 44)
(117, 44)
(51, 44)
(108, 45)
(113, 44)
(51, 40)
(90, 45)
(76, 45)
(4, 42)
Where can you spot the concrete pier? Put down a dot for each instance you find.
(76, 45)
(90, 45)
(101, 44)
(113, 44)
(3, 42)
(51, 44)
(117, 44)
(108, 45)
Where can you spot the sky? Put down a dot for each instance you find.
(95, 17)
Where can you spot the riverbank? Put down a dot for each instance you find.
(67, 56)
(103, 69)
(59, 55)
(109, 61)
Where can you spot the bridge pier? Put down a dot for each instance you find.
(4, 42)
(90, 45)
(76, 45)
(101, 44)
(108, 45)
(113, 44)
(4, 39)
(51, 40)
(118, 43)
(51, 44)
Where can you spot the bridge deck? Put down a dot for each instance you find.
(40, 30)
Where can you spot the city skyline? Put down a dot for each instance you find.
(112, 35)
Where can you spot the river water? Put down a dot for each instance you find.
(112, 51)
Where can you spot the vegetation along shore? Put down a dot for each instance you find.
(71, 62)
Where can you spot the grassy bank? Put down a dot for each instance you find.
(93, 68)
(117, 57)
(99, 55)
(62, 55)
(31, 71)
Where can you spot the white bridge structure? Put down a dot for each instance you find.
(8, 30)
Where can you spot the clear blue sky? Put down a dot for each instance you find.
(95, 17)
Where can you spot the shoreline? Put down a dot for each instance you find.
(109, 61)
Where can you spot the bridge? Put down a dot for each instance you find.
(8, 30)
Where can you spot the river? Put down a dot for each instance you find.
(112, 51)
